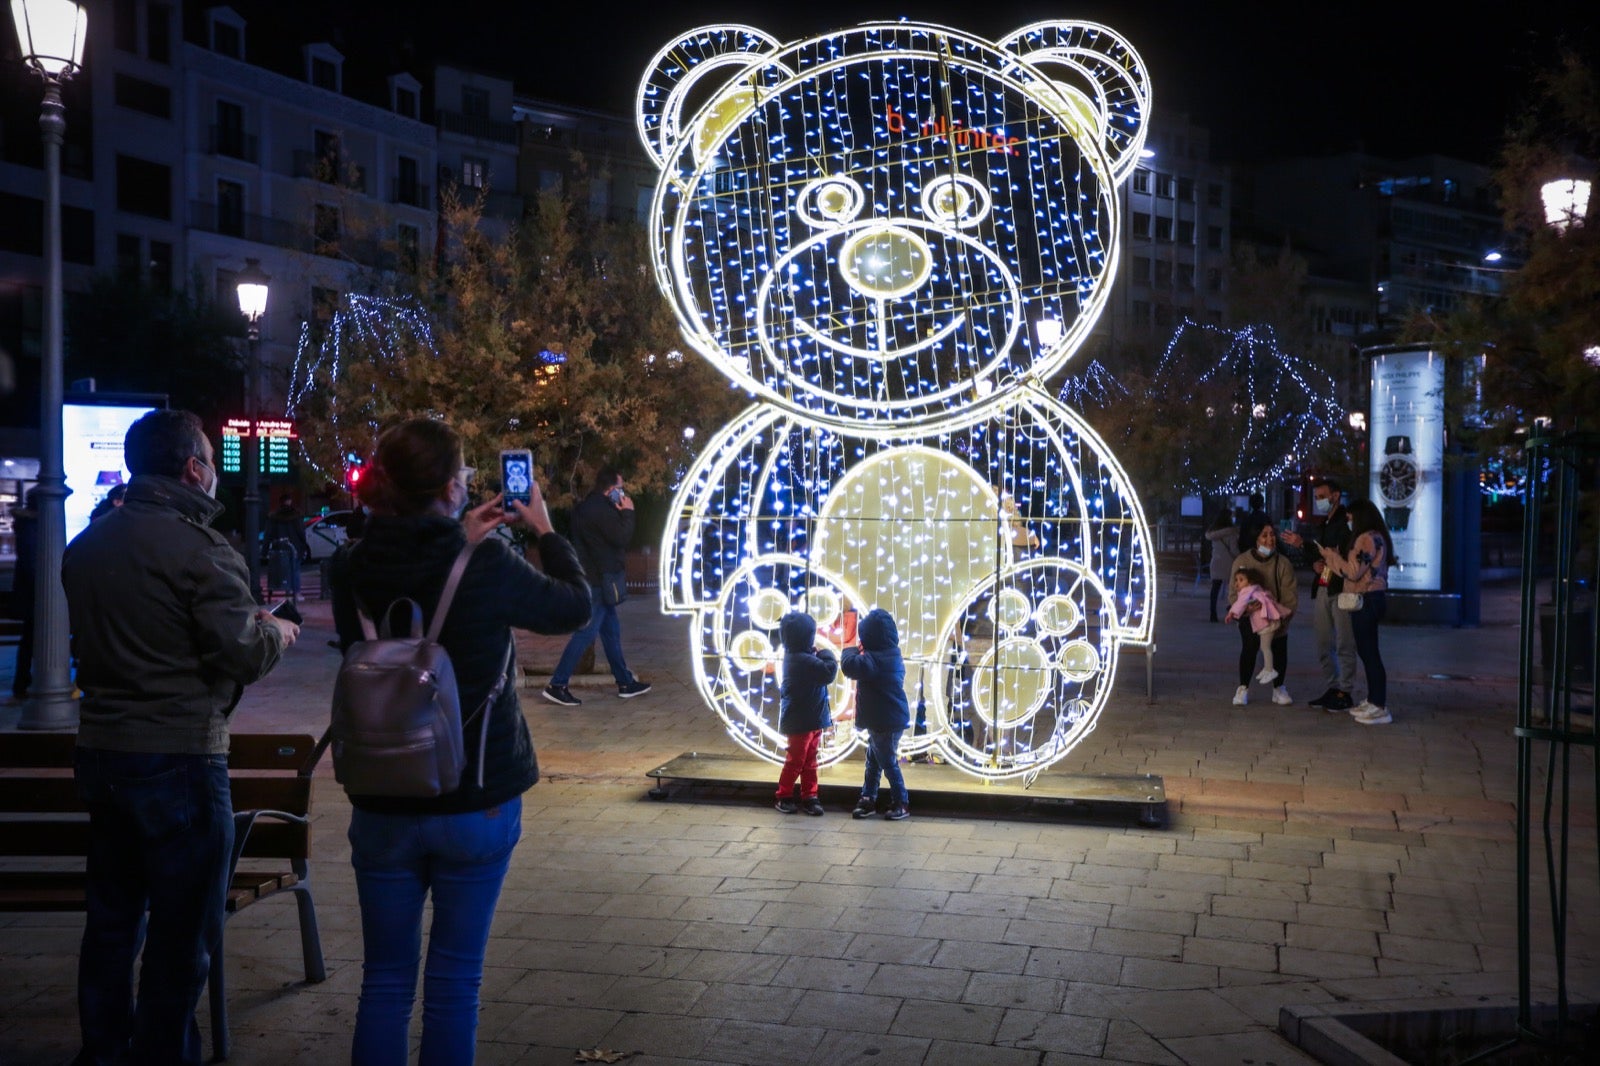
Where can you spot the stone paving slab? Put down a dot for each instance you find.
(1305, 861)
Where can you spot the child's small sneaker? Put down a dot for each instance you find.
(1281, 697)
(813, 807)
(899, 812)
(1267, 677)
(786, 806)
(865, 807)
(1241, 696)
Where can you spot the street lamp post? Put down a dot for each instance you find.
(252, 287)
(50, 35)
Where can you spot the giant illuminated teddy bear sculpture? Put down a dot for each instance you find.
(890, 236)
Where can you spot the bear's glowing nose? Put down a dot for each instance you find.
(884, 263)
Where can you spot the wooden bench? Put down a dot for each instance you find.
(43, 824)
(1182, 566)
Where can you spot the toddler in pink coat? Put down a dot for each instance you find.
(1247, 589)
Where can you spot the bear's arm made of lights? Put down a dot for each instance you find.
(890, 236)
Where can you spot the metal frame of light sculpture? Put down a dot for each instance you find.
(890, 235)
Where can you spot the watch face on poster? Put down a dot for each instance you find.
(1397, 479)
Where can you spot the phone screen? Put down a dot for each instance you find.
(516, 476)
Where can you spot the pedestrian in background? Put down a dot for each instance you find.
(1365, 569)
(602, 529)
(166, 634)
(803, 714)
(286, 543)
(456, 847)
(879, 672)
(1336, 642)
(1250, 525)
(1223, 536)
(1277, 578)
(25, 527)
(113, 499)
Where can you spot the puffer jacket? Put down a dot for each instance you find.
(163, 624)
(1277, 577)
(411, 557)
(807, 672)
(879, 673)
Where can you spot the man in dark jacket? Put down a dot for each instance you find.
(286, 545)
(803, 710)
(602, 529)
(1336, 641)
(881, 709)
(1251, 524)
(166, 635)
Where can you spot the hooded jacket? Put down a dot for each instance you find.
(410, 557)
(807, 672)
(879, 674)
(163, 624)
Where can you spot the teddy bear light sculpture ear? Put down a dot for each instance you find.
(711, 57)
(1099, 77)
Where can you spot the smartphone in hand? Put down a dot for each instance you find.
(516, 477)
(286, 610)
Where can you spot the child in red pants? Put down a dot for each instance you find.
(803, 710)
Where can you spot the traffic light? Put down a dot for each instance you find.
(354, 469)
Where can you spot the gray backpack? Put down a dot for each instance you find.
(396, 728)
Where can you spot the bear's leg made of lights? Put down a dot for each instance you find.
(1010, 618)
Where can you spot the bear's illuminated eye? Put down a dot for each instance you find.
(830, 202)
(959, 200)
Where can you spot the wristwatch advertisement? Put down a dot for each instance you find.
(1398, 481)
(1406, 423)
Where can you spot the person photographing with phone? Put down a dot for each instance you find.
(602, 529)
(423, 545)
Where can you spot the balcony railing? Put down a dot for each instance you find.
(233, 143)
(480, 126)
(411, 193)
(335, 170)
(297, 237)
(262, 229)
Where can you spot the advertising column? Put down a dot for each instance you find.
(1407, 449)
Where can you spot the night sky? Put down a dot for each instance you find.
(1307, 78)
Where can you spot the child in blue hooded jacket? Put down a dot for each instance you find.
(881, 709)
(802, 710)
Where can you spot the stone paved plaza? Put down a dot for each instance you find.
(1304, 860)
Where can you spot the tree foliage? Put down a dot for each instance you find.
(1540, 341)
(554, 337)
(134, 337)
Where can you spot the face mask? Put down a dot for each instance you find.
(1322, 506)
(211, 489)
(458, 499)
(1264, 552)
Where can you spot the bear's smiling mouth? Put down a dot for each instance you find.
(881, 268)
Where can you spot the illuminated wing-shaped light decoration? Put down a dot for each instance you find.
(890, 235)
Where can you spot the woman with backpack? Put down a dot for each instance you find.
(455, 846)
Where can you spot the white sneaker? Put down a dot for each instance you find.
(1360, 709)
(1241, 695)
(1267, 677)
(1281, 697)
(1375, 715)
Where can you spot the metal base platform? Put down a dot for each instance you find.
(929, 784)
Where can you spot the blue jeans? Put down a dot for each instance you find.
(1365, 625)
(883, 757)
(399, 859)
(605, 622)
(160, 840)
